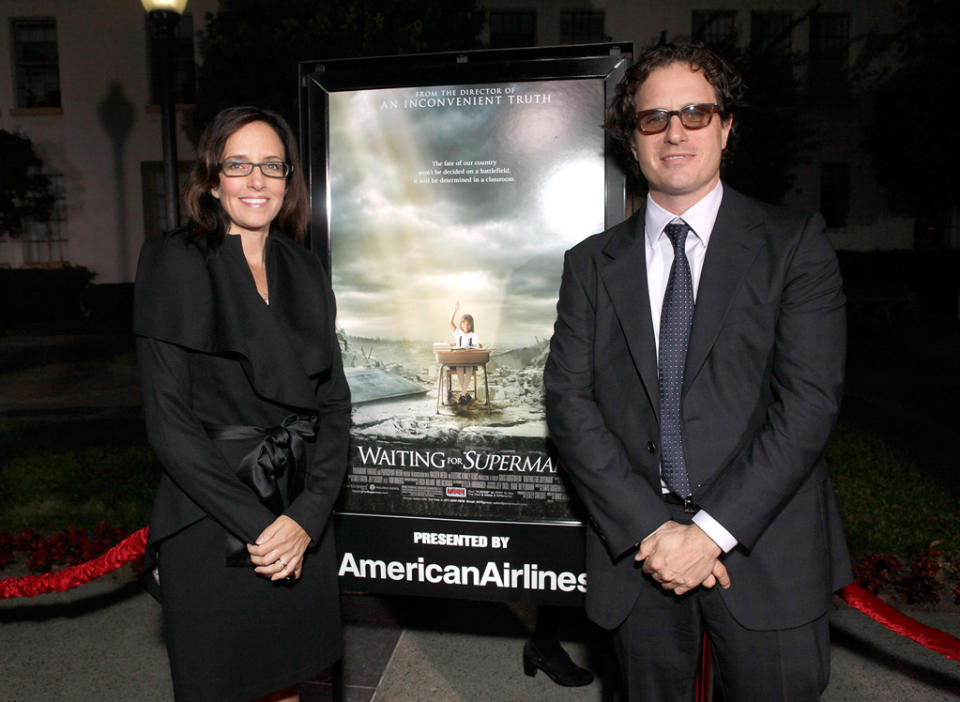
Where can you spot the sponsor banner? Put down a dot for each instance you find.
(459, 558)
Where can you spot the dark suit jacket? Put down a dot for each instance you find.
(762, 386)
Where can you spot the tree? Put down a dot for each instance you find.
(770, 135)
(25, 193)
(250, 49)
(915, 138)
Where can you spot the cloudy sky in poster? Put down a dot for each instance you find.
(406, 245)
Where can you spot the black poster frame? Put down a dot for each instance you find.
(409, 558)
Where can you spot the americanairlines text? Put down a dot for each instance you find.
(527, 576)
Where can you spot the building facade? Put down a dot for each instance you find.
(78, 80)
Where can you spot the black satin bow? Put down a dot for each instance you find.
(282, 452)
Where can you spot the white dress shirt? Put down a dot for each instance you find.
(659, 253)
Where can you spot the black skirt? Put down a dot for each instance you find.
(234, 636)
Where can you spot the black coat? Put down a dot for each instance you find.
(210, 351)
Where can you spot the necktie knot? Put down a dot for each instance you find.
(677, 232)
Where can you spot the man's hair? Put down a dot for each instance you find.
(726, 82)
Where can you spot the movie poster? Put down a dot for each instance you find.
(450, 209)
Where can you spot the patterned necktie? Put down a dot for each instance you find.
(676, 317)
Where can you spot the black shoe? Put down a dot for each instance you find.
(465, 399)
(557, 665)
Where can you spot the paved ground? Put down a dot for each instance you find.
(103, 640)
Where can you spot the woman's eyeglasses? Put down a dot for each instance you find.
(271, 169)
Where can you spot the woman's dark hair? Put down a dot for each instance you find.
(469, 318)
(726, 82)
(207, 215)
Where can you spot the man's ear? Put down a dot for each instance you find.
(726, 127)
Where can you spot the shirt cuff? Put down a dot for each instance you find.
(712, 528)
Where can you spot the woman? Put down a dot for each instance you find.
(248, 410)
(464, 338)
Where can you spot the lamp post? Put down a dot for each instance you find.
(164, 15)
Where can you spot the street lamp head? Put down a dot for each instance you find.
(164, 5)
(163, 16)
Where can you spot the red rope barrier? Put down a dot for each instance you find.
(703, 672)
(878, 610)
(32, 585)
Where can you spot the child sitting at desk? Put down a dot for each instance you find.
(464, 338)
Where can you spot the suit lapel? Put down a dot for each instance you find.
(623, 269)
(736, 239)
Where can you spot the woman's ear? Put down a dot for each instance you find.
(215, 192)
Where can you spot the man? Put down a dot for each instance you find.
(690, 400)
